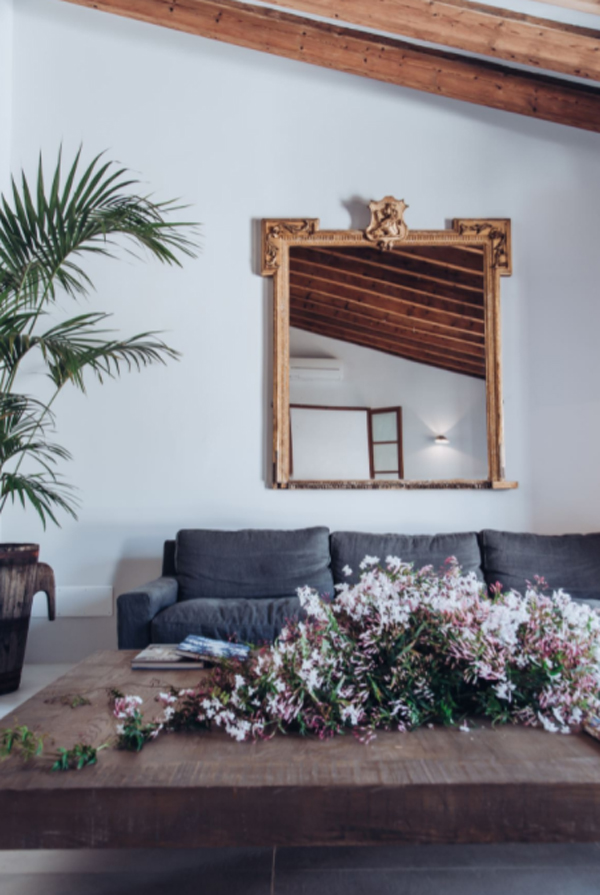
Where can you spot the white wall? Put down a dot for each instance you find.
(6, 88)
(243, 136)
(434, 402)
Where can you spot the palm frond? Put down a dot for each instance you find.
(24, 425)
(45, 232)
(88, 214)
(46, 493)
(73, 346)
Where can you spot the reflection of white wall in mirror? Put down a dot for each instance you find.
(434, 402)
(329, 444)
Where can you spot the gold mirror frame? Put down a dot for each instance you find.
(387, 229)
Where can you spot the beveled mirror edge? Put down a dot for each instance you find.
(493, 234)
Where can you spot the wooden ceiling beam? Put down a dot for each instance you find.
(448, 257)
(405, 336)
(418, 355)
(301, 273)
(410, 309)
(371, 56)
(420, 349)
(386, 348)
(476, 28)
(395, 263)
(319, 300)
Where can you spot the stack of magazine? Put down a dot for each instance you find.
(204, 648)
(192, 653)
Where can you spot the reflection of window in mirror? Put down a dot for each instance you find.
(329, 442)
(385, 443)
(337, 441)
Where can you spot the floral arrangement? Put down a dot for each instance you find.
(400, 649)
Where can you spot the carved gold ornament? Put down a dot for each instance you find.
(387, 225)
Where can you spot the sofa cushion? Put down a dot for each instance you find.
(351, 547)
(253, 563)
(568, 561)
(251, 621)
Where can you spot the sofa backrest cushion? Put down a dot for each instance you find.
(349, 548)
(568, 561)
(252, 563)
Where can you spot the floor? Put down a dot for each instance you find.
(422, 870)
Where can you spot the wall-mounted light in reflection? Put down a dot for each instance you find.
(441, 439)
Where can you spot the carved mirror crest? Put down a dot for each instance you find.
(387, 352)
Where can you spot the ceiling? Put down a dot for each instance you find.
(501, 60)
(424, 304)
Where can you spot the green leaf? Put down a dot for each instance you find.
(45, 236)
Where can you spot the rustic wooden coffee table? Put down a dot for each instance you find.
(188, 790)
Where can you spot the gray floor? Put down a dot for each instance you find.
(425, 870)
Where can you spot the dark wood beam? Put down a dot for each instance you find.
(450, 257)
(387, 348)
(371, 56)
(476, 28)
(372, 285)
(417, 309)
(319, 301)
(366, 325)
(415, 350)
(395, 263)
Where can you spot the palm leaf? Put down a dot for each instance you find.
(45, 493)
(45, 233)
(83, 216)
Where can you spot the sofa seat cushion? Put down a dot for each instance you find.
(349, 548)
(250, 621)
(254, 563)
(568, 561)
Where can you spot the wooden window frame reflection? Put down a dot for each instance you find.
(374, 411)
(491, 234)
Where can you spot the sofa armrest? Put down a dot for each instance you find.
(137, 608)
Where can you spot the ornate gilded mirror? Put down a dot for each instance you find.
(387, 352)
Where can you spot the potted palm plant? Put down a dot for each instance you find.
(46, 232)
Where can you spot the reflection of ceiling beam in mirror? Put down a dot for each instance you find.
(393, 298)
(387, 329)
(467, 258)
(410, 267)
(377, 272)
(422, 303)
(388, 310)
(424, 355)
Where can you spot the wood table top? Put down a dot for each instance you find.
(432, 785)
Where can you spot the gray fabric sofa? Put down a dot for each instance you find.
(243, 583)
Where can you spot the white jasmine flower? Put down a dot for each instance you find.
(369, 561)
(347, 571)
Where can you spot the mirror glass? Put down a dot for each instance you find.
(387, 362)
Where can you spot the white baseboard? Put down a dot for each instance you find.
(77, 602)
